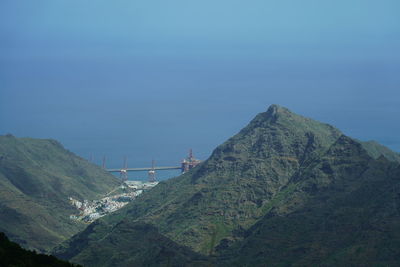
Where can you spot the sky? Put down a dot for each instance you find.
(152, 79)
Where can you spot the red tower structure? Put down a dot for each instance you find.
(189, 163)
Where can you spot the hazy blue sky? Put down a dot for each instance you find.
(154, 78)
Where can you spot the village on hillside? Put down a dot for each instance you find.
(89, 211)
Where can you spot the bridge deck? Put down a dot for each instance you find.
(145, 169)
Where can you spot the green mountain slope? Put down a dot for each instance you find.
(344, 209)
(270, 169)
(11, 255)
(144, 246)
(36, 179)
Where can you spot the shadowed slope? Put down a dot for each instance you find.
(11, 255)
(141, 245)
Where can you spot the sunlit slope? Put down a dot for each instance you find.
(272, 164)
(36, 178)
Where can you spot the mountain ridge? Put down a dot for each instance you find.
(37, 176)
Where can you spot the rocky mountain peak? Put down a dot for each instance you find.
(276, 109)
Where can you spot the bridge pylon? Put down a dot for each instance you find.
(152, 172)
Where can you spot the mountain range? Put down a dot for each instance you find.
(286, 190)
